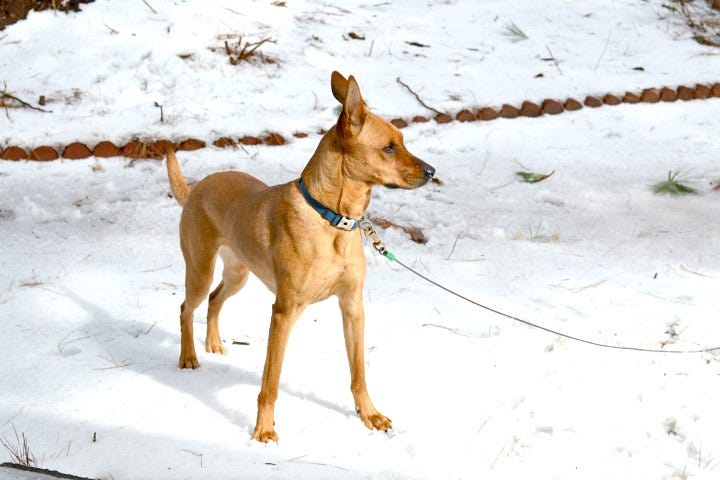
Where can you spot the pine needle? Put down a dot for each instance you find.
(514, 33)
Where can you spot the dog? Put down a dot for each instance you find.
(300, 239)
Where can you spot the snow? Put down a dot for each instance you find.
(92, 274)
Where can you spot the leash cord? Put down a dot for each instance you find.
(379, 247)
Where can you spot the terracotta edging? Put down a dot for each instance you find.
(136, 148)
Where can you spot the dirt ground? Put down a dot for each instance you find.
(13, 10)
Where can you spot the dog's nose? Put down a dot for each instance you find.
(429, 171)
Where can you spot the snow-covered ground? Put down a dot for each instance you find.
(91, 271)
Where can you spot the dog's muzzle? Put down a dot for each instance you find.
(429, 171)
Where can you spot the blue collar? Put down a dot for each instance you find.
(335, 219)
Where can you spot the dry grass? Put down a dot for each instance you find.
(238, 49)
(416, 234)
(702, 16)
(19, 449)
(539, 234)
(32, 282)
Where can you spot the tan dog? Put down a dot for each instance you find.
(299, 239)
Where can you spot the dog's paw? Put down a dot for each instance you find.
(265, 436)
(376, 421)
(188, 361)
(215, 347)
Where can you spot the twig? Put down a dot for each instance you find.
(64, 342)
(554, 60)
(300, 460)
(65, 449)
(14, 416)
(603, 51)
(123, 365)
(151, 327)
(417, 97)
(592, 285)
(112, 30)
(162, 115)
(453, 330)
(682, 267)
(114, 362)
(24, 103)
(457, 239)
(245, 54)
(155, 269)
(150, 7)
(234, 11)
(244, 51)
(197, 454)
(497, 457)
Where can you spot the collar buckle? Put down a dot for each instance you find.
(335, 219)
(347, 223)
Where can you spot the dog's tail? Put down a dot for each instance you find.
(178, 185)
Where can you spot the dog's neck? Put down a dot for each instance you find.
(324, 178)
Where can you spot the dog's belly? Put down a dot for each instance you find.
(308, 281)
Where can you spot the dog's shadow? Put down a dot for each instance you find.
(161, 365)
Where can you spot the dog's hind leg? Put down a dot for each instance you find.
(235, 276)
(199, 268)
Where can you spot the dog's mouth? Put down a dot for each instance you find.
(427, 172)
(410, 185)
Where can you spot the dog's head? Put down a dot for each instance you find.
(373, 148)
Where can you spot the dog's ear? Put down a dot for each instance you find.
(353, 114)
(339, 85)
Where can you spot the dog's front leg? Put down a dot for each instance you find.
(283, 318)
(353, 313)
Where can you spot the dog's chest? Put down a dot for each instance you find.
(326, 276)
(327, 268)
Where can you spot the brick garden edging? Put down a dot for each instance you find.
(136, 149)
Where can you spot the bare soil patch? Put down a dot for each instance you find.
(13, 10)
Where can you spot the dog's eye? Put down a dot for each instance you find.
(389, 149)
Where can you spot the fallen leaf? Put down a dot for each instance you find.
(530, 177)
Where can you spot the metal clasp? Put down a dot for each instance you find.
(369, 231)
